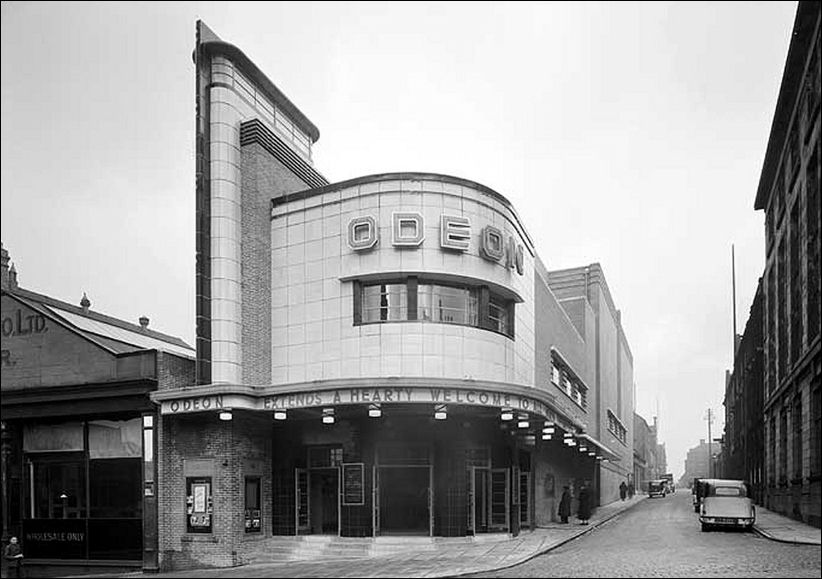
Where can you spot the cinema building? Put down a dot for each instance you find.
(382, 356)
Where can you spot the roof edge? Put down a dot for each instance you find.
(805, 27)
(212, 44)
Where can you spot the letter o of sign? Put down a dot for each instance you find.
(362, 233)
(492, 245)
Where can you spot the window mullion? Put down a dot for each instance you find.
(413, 285)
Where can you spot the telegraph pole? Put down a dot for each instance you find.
(733, 286)
(710, 418)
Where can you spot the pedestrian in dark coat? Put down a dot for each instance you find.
(584, 510)
(565, 505)
(631, 490)
(14, 557)
(623, 490)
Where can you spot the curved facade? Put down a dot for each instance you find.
(389, 276)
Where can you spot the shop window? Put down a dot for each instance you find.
(84, 481)
(199, 508)
(114, 488)
(59, 488)
(64, 437)
(253, 518)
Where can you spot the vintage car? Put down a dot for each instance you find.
(725, 503)
(657, 488)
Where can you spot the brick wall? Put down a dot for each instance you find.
(202, 445)
(174, 371)
(264, 177)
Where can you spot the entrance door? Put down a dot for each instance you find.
(324, 495)
(499, 491)
(479, 500)
(524, 499)
(488, 500)
(404, 500)
(302, 501)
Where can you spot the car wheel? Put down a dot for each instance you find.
(705, 528)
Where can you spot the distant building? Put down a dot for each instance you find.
(788, 192)
(646, 453)
(743, 456)
(698, 461)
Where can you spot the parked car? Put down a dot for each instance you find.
(657, 488)
(726, 503)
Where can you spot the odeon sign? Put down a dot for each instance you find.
(407, 231)
(366, 395)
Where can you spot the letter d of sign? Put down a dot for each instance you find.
(407, 230)
(455, 232)
(363, 233)
(492, 246)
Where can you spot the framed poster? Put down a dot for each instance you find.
(353, 488)
(198, 505)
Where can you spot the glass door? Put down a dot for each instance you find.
(524, 499)
(499, 507)
(302, 499)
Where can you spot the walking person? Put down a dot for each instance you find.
(565, 505)
(623, 490)
(631, 490)
(584, 509)
(14, 557)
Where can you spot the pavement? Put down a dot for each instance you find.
(447, 557)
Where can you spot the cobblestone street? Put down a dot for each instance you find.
(662, 538)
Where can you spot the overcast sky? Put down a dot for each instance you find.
(629, 134)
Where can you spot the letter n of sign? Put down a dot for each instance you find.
(407, 230)
(492, 245)
(455, 232)
(363, 233)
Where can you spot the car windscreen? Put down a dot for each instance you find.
(727, 491)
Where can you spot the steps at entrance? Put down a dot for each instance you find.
(330, 547)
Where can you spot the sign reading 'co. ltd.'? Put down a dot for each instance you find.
(407, 230)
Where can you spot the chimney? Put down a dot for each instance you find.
(85, 303)
(4, 261)
(144, 322)
(12, 277)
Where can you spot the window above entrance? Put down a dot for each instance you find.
(425, 300)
